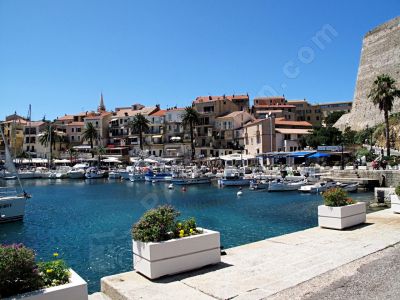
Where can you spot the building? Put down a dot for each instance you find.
(229, 132)
(289, 133)
(330, 107)
(118, 127)
(32, 145)
(277, 107)
(307, 112)
(259, 136)
(13, 129)
(176, 137)
(154, 138)
(210, 108)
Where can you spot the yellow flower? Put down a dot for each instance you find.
(191, 230)
(55, 254)
(180, 224)
(181, 233)
(49, 270)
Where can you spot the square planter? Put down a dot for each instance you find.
(154, 260)
(76, 289)
(343, 216)
(349, 168)
(395, 203)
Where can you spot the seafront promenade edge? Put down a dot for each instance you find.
(264, 268)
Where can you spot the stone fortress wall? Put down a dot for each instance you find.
(380, 54)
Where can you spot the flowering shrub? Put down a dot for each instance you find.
(160, 224)
(18, 270)
(19, 273)
(336, 197)
(54, 272)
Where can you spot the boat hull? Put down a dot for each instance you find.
(189, 181)
(12, 208)
(234, 182)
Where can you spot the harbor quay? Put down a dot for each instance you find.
(262, 269)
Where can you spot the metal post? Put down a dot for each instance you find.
(341, 158)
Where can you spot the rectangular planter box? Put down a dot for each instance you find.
(395, 203)
(154, 260)
(343, 216)
(76, 289)
(349, 168)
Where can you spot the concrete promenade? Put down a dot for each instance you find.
(265, 268)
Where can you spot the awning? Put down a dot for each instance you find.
(176, 138)
(300, 154)
(293, 131)
(318, 155)
(62, 161)
(157, 136)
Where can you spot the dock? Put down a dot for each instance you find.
(262, 269)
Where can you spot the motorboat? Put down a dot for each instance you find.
(285, 185)
(233, 177)
(136, 177)
(157, 177)
(349, 187)
(191, 180)
(78, 171)
(318, 187)
(114, 175)
(259, 184)
(94, 173)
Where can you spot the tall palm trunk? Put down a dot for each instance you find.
(192, 140)
(141, 139)
(91, 147)
(387, 132)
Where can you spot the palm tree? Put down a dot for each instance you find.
(100, 152)
(191, 118)
(72, 153)
(49, 136)
(90, 134)
(139, 125)
(382, 93)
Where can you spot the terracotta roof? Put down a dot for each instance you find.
(283, 121)
(98, 116)
(35, 123)
(76, 124)
(231, 115)
(65, 118)
(129, 112)
(254, 122)
(274, 106)
(202, 99)
(293, 130)
(159, 113)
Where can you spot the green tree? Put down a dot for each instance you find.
(139, 125)
(383, 93)
(327, 136)
(333, 117)
(100, 152)
(349, 136)
(191, 118)
(90, 134)
(48, 138)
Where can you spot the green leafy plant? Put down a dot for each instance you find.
(160, 224)
(336, 197)
(54, 272)
(18, 270)
(397, 190)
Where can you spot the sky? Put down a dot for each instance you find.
(59, 56)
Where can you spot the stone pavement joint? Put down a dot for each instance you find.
(265, 268)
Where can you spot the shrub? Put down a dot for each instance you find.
(160, 224)
(336, 197)
(18, 270)
(54, 272)
(397, 190)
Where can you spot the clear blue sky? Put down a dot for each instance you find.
(59, 55)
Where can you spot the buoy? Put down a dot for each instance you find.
(239, 193)
(183, 189)
(171, 186)
(153, 181)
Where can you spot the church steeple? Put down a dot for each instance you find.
(101, 107)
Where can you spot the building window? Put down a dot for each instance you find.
(78, 130)
(287, 137)
(72, 129)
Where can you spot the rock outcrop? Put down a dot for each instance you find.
(380, 54)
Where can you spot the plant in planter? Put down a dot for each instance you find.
(22, 277)
(395, 200)
(339, 211)
(163, 245)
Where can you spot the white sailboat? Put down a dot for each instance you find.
(12, 203)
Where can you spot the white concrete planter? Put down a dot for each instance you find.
(336, 168)
(362, 168)
(343, 216)
(349, 168)
(76, 289)
(395, 203)
(174, 256)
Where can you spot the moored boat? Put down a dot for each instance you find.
(233, 177)
(283, 185)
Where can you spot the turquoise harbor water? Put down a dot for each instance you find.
(89, 222)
